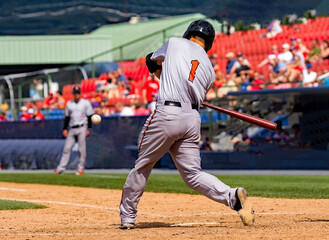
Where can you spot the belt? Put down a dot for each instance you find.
(178, 104)
(77, 126)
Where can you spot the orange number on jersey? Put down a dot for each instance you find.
(195, 64)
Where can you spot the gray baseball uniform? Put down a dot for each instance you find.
(78, 113)
(186, 76)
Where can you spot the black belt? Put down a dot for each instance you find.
(77, 126)
(178, 104)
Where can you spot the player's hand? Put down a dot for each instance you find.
(87, 133)
(65, 133)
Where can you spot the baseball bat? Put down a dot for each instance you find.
(244, 117)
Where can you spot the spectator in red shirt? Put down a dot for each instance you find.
(37, 115)
(132, 87)
(255, 83)
(150, 89)
(25, 116)
(3, 116)
(139, 110)
(50, 101)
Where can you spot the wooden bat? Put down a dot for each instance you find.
(244, 117)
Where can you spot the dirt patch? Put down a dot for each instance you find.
(81, 213)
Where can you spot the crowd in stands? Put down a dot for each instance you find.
(290, 65)
(107, 99)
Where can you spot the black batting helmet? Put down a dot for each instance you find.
(76, 89)
(203, 29)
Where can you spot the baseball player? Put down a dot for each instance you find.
(186, 74)
(78, 114)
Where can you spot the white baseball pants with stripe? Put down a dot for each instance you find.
(177, 130)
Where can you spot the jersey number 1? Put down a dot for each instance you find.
(195, 64)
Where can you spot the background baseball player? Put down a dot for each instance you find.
(186, 75)
(78, 113)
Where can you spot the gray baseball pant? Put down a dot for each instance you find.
(73, 133)
(176, 129)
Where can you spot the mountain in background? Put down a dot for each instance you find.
(25, 17)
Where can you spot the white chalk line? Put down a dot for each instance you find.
(54, 234)
(13, 189)
(161, 215)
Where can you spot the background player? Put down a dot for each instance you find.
(78, 113)
(186, 74)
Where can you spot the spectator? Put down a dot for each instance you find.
(132, 87)
(295, 70)
(37, 115)
(296, 140)
(241, 145)
(219, 80)
(139, 109)
(24, 116)
(241, 64)
(284, 58)
(150, 89)
(206, 145)
(315, 52)
(255, 83)
(229, 86)
(123, 111)
(270, 59)
(112, 88)
(230, 62)
(119, 76)
(293, 43)
(273, 29)
(60, 101)
(104, 110)
(295, 51)
(324, 49)
(279, 136)
(122, 91)
(302, 48)
(242, 71)
(309, 77)
(3, 116)
(49, 101)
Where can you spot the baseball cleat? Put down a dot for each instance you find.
(57, 172)
(244, 207)
(127, 226)
(79, 173)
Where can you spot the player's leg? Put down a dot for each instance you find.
(81, 133)
(69, 142)
(186, 155)
(154, 143)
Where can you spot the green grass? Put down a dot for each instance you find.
(14, 205)
(262, 186)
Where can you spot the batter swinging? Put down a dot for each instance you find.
(186, 74)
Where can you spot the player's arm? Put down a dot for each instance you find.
(66, 122)
(154, 65)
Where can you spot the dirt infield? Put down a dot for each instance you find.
(84, 213)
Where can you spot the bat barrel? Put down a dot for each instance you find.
(244, 117)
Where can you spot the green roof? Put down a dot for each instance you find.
(57, 49)
(126, 32)
(73, 49)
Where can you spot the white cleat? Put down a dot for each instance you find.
(127, 226)
(246, 212)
